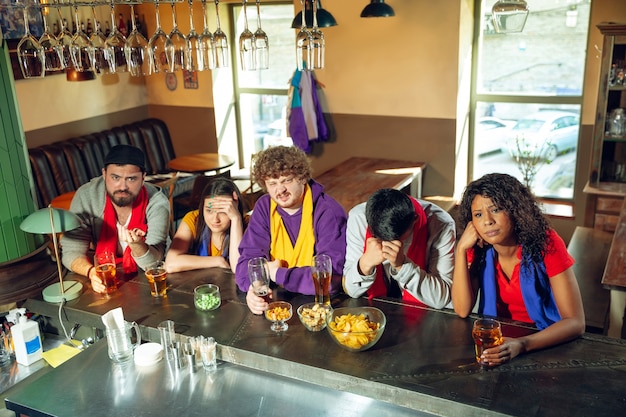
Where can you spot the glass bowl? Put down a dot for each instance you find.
(206, 297)
(356, 328)
(313, 316)
(278, 313)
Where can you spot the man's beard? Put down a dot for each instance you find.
(122, 200)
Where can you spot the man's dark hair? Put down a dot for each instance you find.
(389, 213)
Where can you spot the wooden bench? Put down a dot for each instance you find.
(590, 248)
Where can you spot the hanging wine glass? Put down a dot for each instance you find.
(193, 53)
(52, 51)
(81, 48)
(318, 44)
(304, 41)
(246, 43)
(114, 47)
(137, 50)
(220, 41)
(30, 53)
(98, 41)
(64, 39)
(161, 47)
(261, 42)
(206, 44)
(179, 43)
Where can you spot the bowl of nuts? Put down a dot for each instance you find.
(356, 328)
(313, 316)
(278, 313)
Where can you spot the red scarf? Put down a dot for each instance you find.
(416, 253)
(108, 234)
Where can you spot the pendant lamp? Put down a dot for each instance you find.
(509, 16)
(324, 18)
(377, 8)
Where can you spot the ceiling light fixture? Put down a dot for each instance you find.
(324, 18)
(509, 16)
(377, 8)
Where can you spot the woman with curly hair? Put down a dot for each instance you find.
(210, 236)
(519, 264)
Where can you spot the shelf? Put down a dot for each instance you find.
(615, 189)
(609, 138)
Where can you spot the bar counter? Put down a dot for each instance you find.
(424, 362)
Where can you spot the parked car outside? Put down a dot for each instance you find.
(544, 134)
(277, 134)
(491, 134)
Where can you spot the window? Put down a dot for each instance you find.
(261, 96)
(527, 96)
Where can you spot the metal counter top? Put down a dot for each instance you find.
(424, 360)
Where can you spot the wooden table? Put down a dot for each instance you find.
(614, 277)
(201, 162)
(354, 180)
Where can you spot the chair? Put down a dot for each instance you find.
(168, 186)
(252, 191)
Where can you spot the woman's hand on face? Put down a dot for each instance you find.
(498, 355)
(469, 238)
(256, 304)
(226, 205)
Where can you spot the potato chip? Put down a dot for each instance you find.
(356, 330)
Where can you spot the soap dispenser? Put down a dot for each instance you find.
(26, 341)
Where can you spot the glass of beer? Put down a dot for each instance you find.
(104, 262)
(486, 333)
(322, 270)
(259, 274)
(157, 276)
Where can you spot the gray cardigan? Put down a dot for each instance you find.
(88, 204)
(431, 285)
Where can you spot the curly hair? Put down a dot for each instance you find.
(279, 161)
(219, 186)
(507, 193)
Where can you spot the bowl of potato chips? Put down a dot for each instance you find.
(356, 328)
(313, 316)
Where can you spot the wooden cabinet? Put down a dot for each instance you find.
(607, 178)
(609, 140)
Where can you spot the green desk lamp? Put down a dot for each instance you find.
(52, 220)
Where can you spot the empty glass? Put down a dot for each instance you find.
(81, 48)
(137, 50)
(220, 41)
(64, 38)
(98, 41)
(30, 53)
(161, 47)
(208, 352)
(114, 47)
(317, 44)
(206, 45)
(304, 41)
(193, 52)
(246, 44)
(261, 42)
(179, 44)
(52, 51)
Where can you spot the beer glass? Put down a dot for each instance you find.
(104, 263)
(157, 278)
(322, 271)
(259, 274)
(247, 44)
(161, 47)
(486, 333)
(261, 42)
(30, 53)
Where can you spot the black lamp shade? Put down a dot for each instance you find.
(324, 18)
(377, 8)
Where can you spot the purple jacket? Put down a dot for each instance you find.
(329, 225)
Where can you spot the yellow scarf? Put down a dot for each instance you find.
(281, 246)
